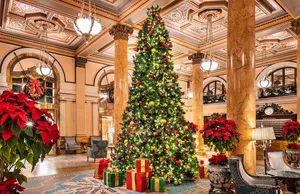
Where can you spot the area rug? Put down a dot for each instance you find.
(82, 182)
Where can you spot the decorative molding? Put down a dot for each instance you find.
(296, 26)
(80, 62)
(196, 57)
(120, 31)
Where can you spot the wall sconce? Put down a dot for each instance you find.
(266, 135)
(189, 91)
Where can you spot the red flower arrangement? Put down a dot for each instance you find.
(291, 131)
(10, 186)
(294, 146)
(220, 134)
(219, 159)
(26, 133)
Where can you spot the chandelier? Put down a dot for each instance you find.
(43, 68)
(208, 63)
(264, 82)
(87, 25)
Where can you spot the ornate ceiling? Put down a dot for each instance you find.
(185, 20)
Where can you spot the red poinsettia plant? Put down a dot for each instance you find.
(291, 131)
(220, 134)
(295, 146)
(219, 159)
(27, 133)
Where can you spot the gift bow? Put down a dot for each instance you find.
(35, 86)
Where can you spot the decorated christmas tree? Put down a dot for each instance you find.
(153, 123)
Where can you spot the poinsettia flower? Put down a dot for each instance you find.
(15, 113)
(49, 133)
(23, 98)
(36, 113)
(7, 133)
(7, 186)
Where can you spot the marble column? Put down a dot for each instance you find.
(80, 97)
(197, 90)
(296, 27)
(241, 76)
(120, 33)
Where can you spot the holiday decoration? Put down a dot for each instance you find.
(27, 133)
(291, 132)
(219, 159)
(142, 165)
(201, 173)
(130, 180)
(141, 182)
(157, 184)
(33, 88)
(100, 167)
(153, 122)
(113, 178)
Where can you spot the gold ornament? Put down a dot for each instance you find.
(151, 103)
(165, 105)
(153, 50)
(131, 123)
(163, 121)
(141, 86)
(153, 148)
(185, 127)
(161, 38)
(125, 142)
(167, 147)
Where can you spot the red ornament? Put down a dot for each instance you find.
(150, 32)
(140, 102)
(145, 140)
(167, 60)
(178, 162)
(150, 78)
(176, 131)
(123, 160)
(138, 82)
(145, 47)
(174, 157)
(169, 132)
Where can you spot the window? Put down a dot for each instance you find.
(214, 92)
(283, 82)
(18, 83)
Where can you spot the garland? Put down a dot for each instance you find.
(277, 109)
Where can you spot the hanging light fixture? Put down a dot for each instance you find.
(43, 68)
(87, 25)
(189, 91)
(264, 83)
(209, 64)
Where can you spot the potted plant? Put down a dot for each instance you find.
(27, 134)
(221, 136)
(291, 132)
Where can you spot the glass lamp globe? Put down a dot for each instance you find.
(43, 70)
(96, 29)
(190, 94)
(82, 25)
(103, 95)
(264, 83)
(209, 65)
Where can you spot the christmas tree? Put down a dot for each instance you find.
(153, 123)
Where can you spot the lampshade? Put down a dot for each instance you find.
(263, 133)
(209, 65)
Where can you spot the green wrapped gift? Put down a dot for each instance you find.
(113, 179)
(157, 184)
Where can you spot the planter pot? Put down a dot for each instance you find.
(218, 175)
(293, 156)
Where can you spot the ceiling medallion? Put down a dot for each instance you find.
(214, 14)
(37, 22)
(87, 26)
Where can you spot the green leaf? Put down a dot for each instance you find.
(19, 164)
(28, 131)
(15, 129)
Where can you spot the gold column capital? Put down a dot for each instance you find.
(120, 31)
(296, 26)
(80, 62)
(196, 57)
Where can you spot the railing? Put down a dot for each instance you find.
(214, 99)
(278, 91)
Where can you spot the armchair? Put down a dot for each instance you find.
(95, 138)
(71, 144)
(98, 150)
(246, 183)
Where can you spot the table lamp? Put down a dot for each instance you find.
(266, 135)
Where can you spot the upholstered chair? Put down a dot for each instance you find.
(95, 138)
(71, 144)
(276, 161)
(98, 150)
(246, 183)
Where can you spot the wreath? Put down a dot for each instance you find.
(33, 88)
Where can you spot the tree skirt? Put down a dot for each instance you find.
(82, 182)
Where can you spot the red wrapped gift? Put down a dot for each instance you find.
(141, 182)
(201, 173)
(102, 165)
(142, 165)
(130, 180)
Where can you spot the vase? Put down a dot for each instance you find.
(293, 156)
(218, 175)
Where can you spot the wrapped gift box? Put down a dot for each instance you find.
(201, 173)
(142, 165)
(130, 180)
(113, 178)
(157, 184)
(100, 167)
(141, 182)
